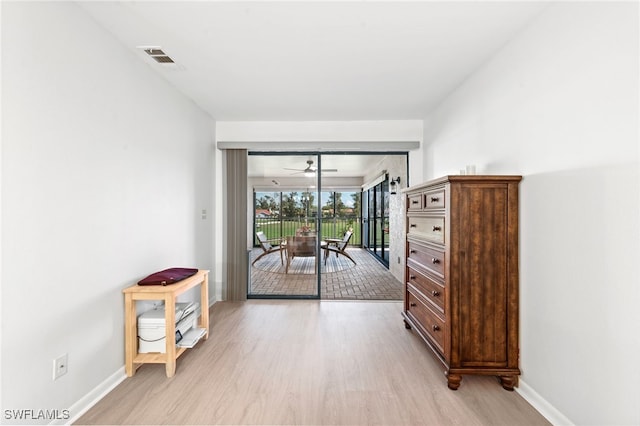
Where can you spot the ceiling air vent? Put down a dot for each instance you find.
(158, 55)
(163, 59)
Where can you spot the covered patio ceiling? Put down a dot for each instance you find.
(280, 166)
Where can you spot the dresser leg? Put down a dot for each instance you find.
(407, 325)
(508, 382)
(453, 381)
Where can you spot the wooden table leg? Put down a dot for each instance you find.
(204, 305)
(170, 367)
(170, 324)
(130, 326)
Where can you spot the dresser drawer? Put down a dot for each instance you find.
(430, 323)
(431, 290)
(429, 228)
(428, 258)
(434, 199)
(414, 202)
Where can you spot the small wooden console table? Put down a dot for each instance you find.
(168, 294)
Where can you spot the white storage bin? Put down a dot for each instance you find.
(152, 330)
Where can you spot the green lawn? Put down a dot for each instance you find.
(273, 229)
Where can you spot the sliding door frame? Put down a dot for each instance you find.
(318, 220)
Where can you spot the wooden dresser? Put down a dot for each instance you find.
(461, 279)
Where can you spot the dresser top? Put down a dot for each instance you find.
(465, 179)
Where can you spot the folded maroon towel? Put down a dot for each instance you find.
(168, 276)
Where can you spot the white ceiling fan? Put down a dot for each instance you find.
(310, 170)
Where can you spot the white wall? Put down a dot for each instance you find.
(307, 132)
(1, 133)
(105, 172)
(559, 105)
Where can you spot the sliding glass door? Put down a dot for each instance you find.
(376, 220)
(315, 221)
(284, 260)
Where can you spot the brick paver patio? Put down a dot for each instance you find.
(367, 280)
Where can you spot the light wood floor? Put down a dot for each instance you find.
(309, 362)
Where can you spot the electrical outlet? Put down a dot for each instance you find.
(60, 366)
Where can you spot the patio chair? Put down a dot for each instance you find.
(265, 245)
(338, 247)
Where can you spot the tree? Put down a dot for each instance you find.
(357, 206)
(290, 207)
(335, 204)
(340, 206)
(267, 201)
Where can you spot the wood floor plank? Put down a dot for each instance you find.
(309, 362)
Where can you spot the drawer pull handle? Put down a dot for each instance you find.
(414, 201)
(435, 327)
(413, 305)
(435, 293)
(413, 225)
(412, 251)
(435, 261)
(435, 199)
(412, 277)
(436, 228)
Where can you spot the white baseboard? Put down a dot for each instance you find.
(89, 400)
(542, 405)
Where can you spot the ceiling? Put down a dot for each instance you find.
(299, 60)
(315, 61)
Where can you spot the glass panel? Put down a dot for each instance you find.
(385, 222)
(284, 260)
(377, 220)
(378, 202)
(365, 218)
(267, 215)
(372, 220)
(341, 212)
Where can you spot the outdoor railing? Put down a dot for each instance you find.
(332, 227)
